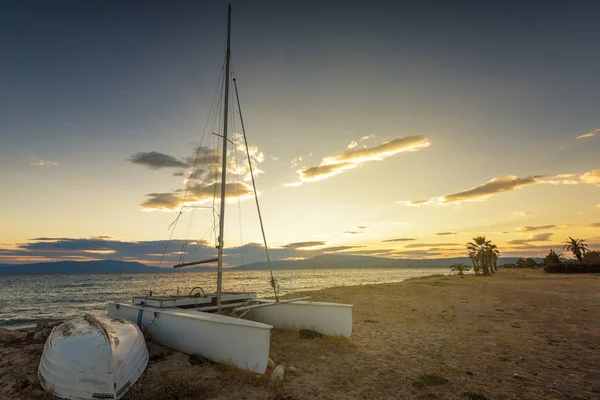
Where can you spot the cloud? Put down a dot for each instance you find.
(589, 134)
(371, 252)
(197, 195)
(304, 245)
(335, 249)
(535, 228)
(203, 182)
(162, 201)
(540, 237)
(499, 185)
(398, 240)
(43, 163)
(150, 252)
(595, 224)
(521, 213)
(592, 177)
(425, 253)
(444, 233)
(352, 233)
(352, 158)
(420, 245)
(156, 160)
(296, 161)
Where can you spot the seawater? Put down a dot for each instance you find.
(24, 299)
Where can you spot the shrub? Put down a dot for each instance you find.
(573, 267)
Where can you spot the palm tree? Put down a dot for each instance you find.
(495, 255)
(576, 246)
(473, 257)
(458, 267)
(478, 247)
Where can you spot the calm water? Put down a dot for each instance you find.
(27, 298)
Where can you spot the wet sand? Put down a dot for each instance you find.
(519, 334)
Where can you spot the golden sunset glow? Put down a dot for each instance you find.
(362, 142)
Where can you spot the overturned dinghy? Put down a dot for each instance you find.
(93, 357)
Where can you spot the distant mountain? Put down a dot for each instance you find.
(328, 261)
(78, 267)
(337, 261)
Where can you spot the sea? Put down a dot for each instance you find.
(24, 299)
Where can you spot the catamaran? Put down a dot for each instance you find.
(230, 327)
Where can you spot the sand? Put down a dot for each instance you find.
(520, 334)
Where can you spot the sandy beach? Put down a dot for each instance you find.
(520, 334)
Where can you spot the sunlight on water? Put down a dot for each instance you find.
(27, 298)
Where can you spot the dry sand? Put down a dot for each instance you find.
(519, 334)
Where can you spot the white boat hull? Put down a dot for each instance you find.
(325, 318)
(92, 357)
(222, 339)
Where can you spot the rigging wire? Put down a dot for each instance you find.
(217, 94)
(237, 168)
(273, 280)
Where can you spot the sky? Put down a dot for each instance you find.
(396, 129)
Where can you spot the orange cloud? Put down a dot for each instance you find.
(506, 184)
(535, 228)
(592, 177)
(353, 157)
(540, 237)
(589, 134)
(197, 195)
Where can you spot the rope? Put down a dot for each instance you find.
(237, 167)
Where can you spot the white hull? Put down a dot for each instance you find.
(325, 318)
(92, 357)
(222, 339)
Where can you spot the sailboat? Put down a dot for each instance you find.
(230, 327)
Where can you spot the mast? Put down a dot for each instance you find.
(224, 165)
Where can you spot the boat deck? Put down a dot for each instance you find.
(209, 299)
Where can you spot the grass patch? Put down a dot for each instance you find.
(474, 396)
(308, 334)
(416, 278)
(22, 382)
(427, 380)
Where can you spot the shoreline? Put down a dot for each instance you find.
(517, 333)
(293, 281)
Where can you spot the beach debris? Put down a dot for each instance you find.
(278, 373)
(270, 363)
(8, 336)
(308, 334)
(196, 359)
(322, 358)
(39, 336)
(41, 324)
(42, 334)
(292, 369)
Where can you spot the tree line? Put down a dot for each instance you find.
(484, 256)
